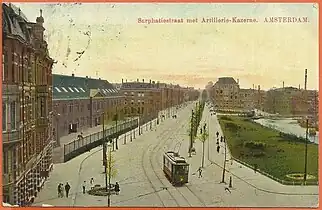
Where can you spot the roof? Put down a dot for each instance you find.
(71, 87)
(226, 80)
(139, 85)
(14, 23)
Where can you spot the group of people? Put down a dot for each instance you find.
(61, 190)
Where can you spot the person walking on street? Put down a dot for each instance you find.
(255, 168)
(92, 180)
(217, 134)
(67, 188)
(200, 172)
(59, 190)
(117, 188)
(84, 187)
(218, 148)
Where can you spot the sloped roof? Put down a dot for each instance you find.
(14, 23)
(67, 87)
(226, 80)
(138, 85)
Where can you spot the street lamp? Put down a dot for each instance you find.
(57, 132)
(108, 187)
(224, 169)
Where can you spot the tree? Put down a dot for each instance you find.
(203, 137)
(111, 165)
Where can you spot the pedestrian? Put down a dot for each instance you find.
(218, 148)
(67, 188)
(117, 188)
(200, 172)
(59, 190)
(255, 168)
(221, 139)
(84, 187)
(92, 180)
(217, 134)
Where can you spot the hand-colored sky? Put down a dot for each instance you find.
(188, 54)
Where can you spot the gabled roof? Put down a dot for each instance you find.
(71, 87)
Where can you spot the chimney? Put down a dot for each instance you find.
(150, 81)
(259, 87)
(126, 80)
(99, 78)
(253, 86)
(299, 86)
(73, 74)
(238, 81)
(143, 80)
(283, 84)
(137, 80)
(122, 81)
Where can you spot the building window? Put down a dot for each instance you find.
(4, 116)
(13, 115)
(42, 107)
(70, 108)
(5, 162)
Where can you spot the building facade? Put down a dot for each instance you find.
(80, 102)
(291, 101)
(26, 106)
(226, 94)
(147, 99)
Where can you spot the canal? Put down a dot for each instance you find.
(288, 126)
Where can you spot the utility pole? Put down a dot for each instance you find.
(116, 119)
(203, 145)
(104, 142)
(109, 176)
(307, 130)
(224, 169)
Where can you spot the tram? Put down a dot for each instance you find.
(175, 168)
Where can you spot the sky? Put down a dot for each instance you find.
(116, 46)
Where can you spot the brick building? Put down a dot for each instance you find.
(226, 94)
(148, 98)
(79, 103)
(291, 101)
(26, 106)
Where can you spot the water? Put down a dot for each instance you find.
(288, 126)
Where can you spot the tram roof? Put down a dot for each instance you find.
(175, 158)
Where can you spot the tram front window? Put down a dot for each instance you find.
(182, 169)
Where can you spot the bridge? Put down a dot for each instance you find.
(82, 145)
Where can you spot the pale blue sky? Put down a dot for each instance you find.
(188, 54)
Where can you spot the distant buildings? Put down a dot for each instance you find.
(79, 103)
(26, 106)
(226, 94)
(148, 98)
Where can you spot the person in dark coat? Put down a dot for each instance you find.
(59, 190)
(67, 188)
(117, 188)
(84, 187)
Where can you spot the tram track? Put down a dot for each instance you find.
(162, 139)
(180, 190)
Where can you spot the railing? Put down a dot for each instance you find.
(284, 182)
(81, 145)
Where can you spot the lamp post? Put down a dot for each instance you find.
(109, 174)
(104, 143)
(224, 169)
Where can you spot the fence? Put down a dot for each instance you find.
(81, 145)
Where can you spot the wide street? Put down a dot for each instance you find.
(142, 181)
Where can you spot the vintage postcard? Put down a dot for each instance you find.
(160, 105)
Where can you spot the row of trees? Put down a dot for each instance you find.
(196, 116)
